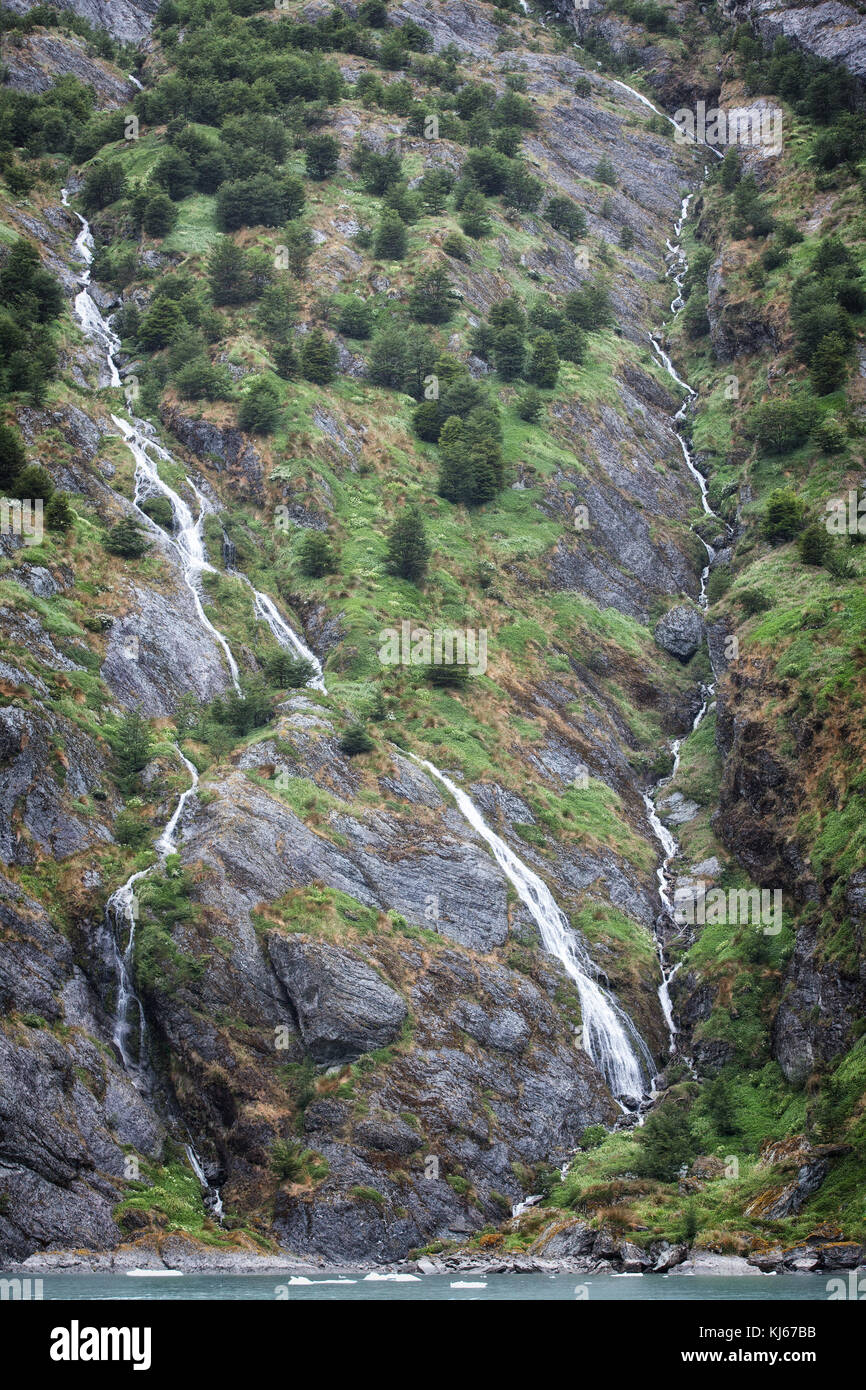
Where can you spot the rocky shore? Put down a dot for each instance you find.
(572, 1249)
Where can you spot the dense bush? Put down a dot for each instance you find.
(200, 379)
(174, 173)
(590, 307)
(390, 242)
(126, 538)
(605, 172)
(471, 467)
(529, 405)
(259, 409)
(318, 357)
(104, 183)
(161, 324)
(751, 215)
(814, 544)
(784, 515)
(235, 276)
(666, 1142)
(322, 156)
(402, 357)
(262, 200)
(566, 217)
(356, 740)
(408, 550)
(160, 215)
(432, 299)
(378, 169)
(132, 746)
(783, 424)
(287, 672)
(315, 555)
(543, 368)
(355, 318)
(474, 219)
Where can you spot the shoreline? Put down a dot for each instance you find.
(184, 1260)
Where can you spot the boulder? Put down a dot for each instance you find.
(343, 1007)
(669, 1256)
(680, 632)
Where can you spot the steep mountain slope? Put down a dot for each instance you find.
(325, 983)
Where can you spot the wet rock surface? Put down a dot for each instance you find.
(66, 1106)
(227, 450)
(157, 651)
(342, 1006)
(37, 788)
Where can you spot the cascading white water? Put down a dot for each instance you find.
(92, 323)
(215, 1199)
(121, 909)
(670, 847)
(265, 608)
(121, 912)
(609, 1036)
(167, 842)
(121, 915)
(188, 541)
(147, 452)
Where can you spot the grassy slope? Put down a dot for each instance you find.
(485, 732)
(803, 659)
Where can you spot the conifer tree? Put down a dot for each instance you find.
(132, 747)
(543, 367)
(126, 539)
(318, 357)
(408, 550)
(59, 516)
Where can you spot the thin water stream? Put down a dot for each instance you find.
(609, 1036)
(677, 269)
(121, 911)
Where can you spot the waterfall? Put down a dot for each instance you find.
(670, 847)
(212, 1194)
(265, 609)
(121, 909)
(188, 542)
(121, 916)
(609, 1036)
(229, 551)
(93, 325)
(148, 453)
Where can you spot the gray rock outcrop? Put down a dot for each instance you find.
(680, 632)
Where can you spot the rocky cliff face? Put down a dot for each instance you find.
(67, 1107)
(466, 1075)
(828, 30)
(350, 1014)
(34, 62)
(127, 20)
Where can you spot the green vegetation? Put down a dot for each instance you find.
(398, 343)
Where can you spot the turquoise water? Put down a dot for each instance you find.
(436, 1288)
